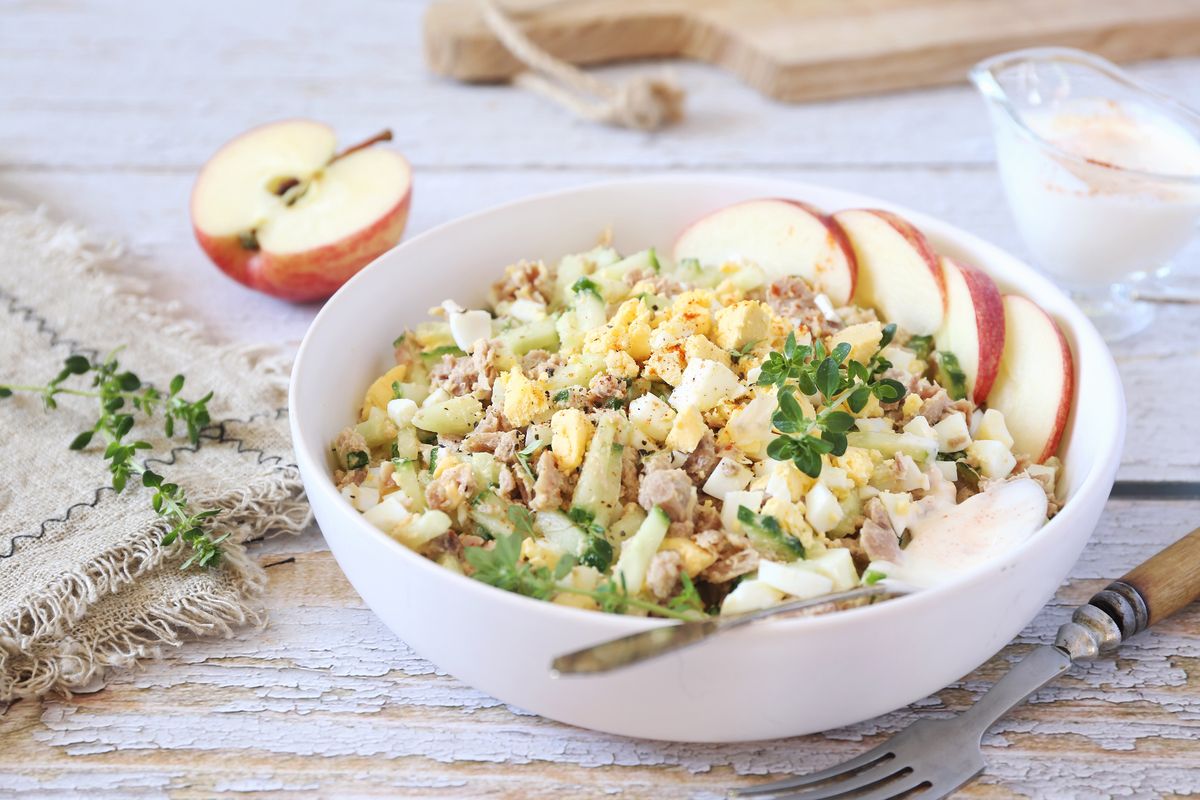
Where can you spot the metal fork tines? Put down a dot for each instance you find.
(924, 760)
(929, 759)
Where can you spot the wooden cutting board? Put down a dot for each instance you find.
(796, 50)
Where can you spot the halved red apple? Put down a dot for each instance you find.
(1035, 383)
(784, 237)
(281, 211)
(899, 275)
(973, 328)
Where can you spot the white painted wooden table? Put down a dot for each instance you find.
(106, 113)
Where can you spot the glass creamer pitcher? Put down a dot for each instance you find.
(1102, 174)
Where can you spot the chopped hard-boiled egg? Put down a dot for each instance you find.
(821, 508)
(750, 595)
(467, 327)
(728, 476)
(794, 580)
(992, 427)
(992, 458)
(863, 339)
(733, 500)
(704, 384)
(742, 323)
(401, 411)
(652, 416)
(695, 558)
(952, 433)
(524, 400)
(899, 507)
(687, 429)
(571, 431)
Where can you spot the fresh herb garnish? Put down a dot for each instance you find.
(399, 340)
(616, 403)
(688, 599)
(525, 454)
(831, 378)
(113, 388)
(598, 553)
(503, 568)
(739, 353)
(397, 390)
(562, 396)
(433, 457)
(357, 459)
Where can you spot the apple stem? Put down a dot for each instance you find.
(383, 136)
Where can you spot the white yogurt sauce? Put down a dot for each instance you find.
(949, 539)
(1093, 223)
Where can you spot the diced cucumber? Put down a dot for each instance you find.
(748, 278)
(572, 268)
(918, 448)
(768, 537)
(407, 443)
(378, 430)
(487, 471)
(453, 417)
(421, 529)
(405, 476)
(642, 260)
(690, 271)
(415, 391)
(589, 310)
(560, 531)
(494, 525)
(432, 335)
(637, 552)
(539, 335)
(598, 491)
(627, 525)
(577, 373)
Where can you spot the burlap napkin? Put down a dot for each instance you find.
(84, 584)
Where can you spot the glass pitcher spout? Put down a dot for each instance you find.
(1020, 87)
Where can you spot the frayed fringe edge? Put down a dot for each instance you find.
(278, 507)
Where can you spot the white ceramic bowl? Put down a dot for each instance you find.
(774, 679)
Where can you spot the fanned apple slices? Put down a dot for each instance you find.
(973, 328)
(899, 275)
(1014, 355)
(784, 237)
(1036, 379)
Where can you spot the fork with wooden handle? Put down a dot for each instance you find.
(933, 757)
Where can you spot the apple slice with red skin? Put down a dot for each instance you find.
(784, 237)
(973, 329)
(899, 275)
(280, 210)
(1035, 383)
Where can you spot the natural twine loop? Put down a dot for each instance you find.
(642, 102)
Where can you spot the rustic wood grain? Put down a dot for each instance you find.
(105, 114)
(795, 50)
(326, 700)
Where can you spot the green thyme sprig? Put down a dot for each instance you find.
(117, 392)
(832, 378)
(502, 567)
